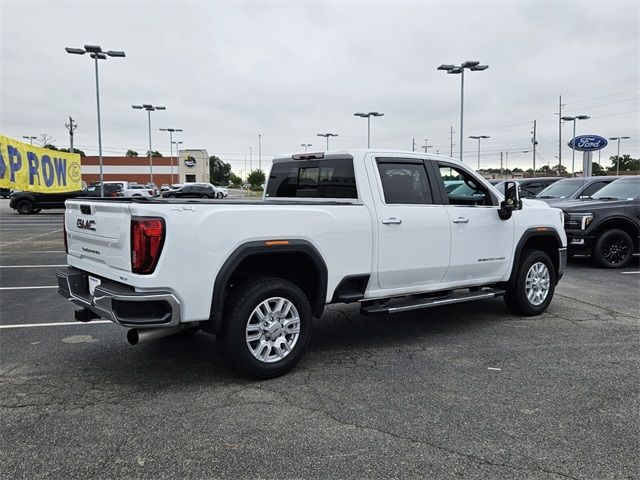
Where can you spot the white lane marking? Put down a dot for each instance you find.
(628, 273)
(30, 238)
(31, 266)
(492, 368)
(54, 324)
(26, 288)
(29, 252)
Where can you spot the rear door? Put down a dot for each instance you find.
(413, 232)
(98, 233)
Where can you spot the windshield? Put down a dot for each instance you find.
(620, 189)
(561, 189)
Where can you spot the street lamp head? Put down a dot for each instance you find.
(147, 106)
(99, 56)
(446, 67)
(75, 51)
(625, 138)
(479, 68)
(470, 64)
(475, 137)
(485, 136)
(376, 114)
(568, 119)
(455, 70)
(363, 115)
(93, 48)
(159, 108)
(137, 107)
(583, 117)
(115, 53)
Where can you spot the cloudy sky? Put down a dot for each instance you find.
(228, 71)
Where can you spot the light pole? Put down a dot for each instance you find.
(573, 154)
(618, 156)
(327, 135)
(479, 137)
(171, 130)
(474, 66)
(368, 117)
(149, 109)
(177, 144)
(95, 52)
(30, 138)
(306, 145)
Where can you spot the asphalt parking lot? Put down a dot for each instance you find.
(468, 391)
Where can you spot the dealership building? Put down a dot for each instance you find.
(189, 166)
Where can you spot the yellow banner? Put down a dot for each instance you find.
(35, 169)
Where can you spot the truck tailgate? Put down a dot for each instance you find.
(98, 234)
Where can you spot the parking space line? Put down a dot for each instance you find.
(29, 252)
(30, 238)
(627, 273)
(28, 288)
(53, 324)
(31, 266)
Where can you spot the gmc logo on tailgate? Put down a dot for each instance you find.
(86, 224)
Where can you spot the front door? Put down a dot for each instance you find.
(413, 231)
(481, 243)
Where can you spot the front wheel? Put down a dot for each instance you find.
(613, 249)
(24, 207)
(531, 291)
(266, 327)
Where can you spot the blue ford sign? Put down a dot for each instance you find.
(588, 143)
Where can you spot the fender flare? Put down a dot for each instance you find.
(528, 234)
(262, 248)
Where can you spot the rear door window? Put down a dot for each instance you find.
(313, 179)
(404, 183)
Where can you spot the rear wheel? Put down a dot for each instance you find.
(613, 249)
(531, 291)
(266, 327)
(24, 207)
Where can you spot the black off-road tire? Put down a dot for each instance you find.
(602, 254)
(516, 295)
(24, 207)
(238, 311)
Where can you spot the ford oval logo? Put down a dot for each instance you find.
(588, 143)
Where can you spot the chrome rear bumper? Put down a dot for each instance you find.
(119, 303)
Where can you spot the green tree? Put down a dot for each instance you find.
(131, 153)
(517, 170)
(545, 170)
(235, 180)
(50, 146)
(75, 150)
(219, 171)
(563, 169)
(256, 179)
(154, 153)
(596, 169)
(626, 162)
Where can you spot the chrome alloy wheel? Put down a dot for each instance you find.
(273, 329)
(537, 283)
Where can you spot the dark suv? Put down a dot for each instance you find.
(530, 187)
(26, 203)
(607, 225)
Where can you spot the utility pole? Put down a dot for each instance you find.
(426, 146)
(259, 152)
(501, 169)
(71, 126)
(560, 134)
(451, 141)
(413, 145)
(535, 142)
(251, 159)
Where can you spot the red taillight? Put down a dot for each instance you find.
(64, 233)
(147, 238)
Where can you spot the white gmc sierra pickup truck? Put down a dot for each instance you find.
(369, 226)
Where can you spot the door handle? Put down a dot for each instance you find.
(460, 220)
(392, 221)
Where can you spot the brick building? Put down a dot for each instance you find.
(190, 166)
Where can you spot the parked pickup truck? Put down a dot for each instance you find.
(369, 226)
(606, 225)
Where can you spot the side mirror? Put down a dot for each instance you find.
(511, 200)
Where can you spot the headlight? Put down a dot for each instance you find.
(579, 220)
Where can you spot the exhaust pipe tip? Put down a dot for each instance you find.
(133, 337)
